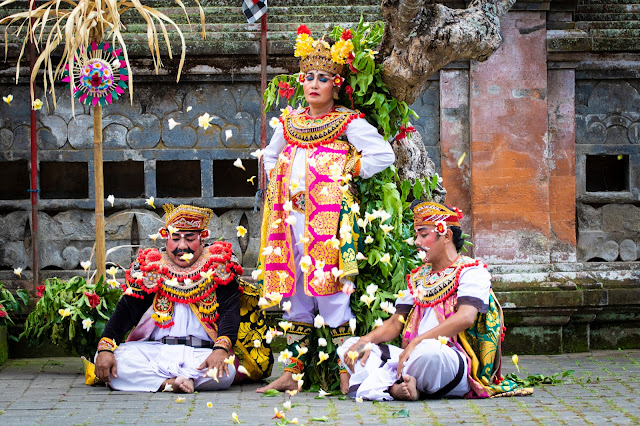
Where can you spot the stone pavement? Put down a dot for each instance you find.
(605, 388)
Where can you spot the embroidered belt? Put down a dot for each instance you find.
(297, 200)
(194, 342)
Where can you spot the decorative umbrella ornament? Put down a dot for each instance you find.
(100, 77)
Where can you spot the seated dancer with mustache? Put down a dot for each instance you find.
(453, 329)
(186, 300)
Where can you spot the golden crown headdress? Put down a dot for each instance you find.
(430, 213)
(186, 218)
(318, 55)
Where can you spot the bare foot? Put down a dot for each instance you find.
(178, 385)
(405, 391)
(282, 383)
(344, 382)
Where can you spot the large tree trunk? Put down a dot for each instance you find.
(421, 37)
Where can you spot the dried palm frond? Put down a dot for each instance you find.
(78, 24)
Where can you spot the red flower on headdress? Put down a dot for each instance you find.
(349, 91)
(346, 35)
(40, 290)
(301, 78)
(458, 212)
(337, 80)
(402, 134)
(303, 29)
(441, 227)
(285, 90)
(94, 299)
(350, 59)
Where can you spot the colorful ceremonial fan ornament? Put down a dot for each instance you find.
(102, 78)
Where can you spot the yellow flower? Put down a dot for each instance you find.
(286, 306)
(352, 325)
(241, 230)
(37, 104)
(285, 325)
(251, 180)
(361, 256)
(85, 264)
(207, 274)
(333, 242)
(213, 373)
(367, 298)
(371, 53)
(292, 392)
(209, 404)
(298, 376)
(155, 236)
(323, 356)
(377, 323)
(305, 263)
(149, 201)
(285, 355)
(443, 340)
(368, 240)
(172, 123)
(287, 405)
(353, 355)
(230, 360)
(238, 164)
(18, 271)
(112, 271)
(180, 399)
(257, 153)
(359, 399)
(340, 51)
(386, 258)
(274, 122)
(64, 312)
(172, 229)
(234, 416)
(514, 358)
(301, 351)
(304, 46)
(187, 256)
(274, 295)
(291, 220)
(243, 370)
(7, 99)
(461, 159)
(204, 120)
(402, 320)
(386, 228)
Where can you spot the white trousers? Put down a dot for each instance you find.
(145, 365)
(334, 308)
(432, 364)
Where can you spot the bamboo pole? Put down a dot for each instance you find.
(98, 180)
(34, 169)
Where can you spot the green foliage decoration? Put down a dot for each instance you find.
(10, 305)
(48, 323)
(370, 95)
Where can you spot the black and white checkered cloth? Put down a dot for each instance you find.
(254, 9)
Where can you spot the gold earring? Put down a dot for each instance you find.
(335, 96)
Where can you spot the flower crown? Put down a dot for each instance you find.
(318, 55)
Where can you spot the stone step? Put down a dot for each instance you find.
(594, 2)
(609, 8)
(606, 16)
(615, 33)
(588, 25)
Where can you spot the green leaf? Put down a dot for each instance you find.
(271, 392)
(402, 413)
(320, 419)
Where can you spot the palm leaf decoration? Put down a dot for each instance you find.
(78, 24)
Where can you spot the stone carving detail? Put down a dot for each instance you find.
(609, 233)
(610, 114)
(608, 122)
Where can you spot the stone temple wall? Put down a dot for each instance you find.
(143, 157)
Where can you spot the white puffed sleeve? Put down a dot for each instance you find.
(272, 151)
(377, 154)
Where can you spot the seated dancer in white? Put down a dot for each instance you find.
(185, 301)
(452, 333)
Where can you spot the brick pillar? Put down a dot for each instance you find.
(562, 179)
(509, 145)
(454, 141)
